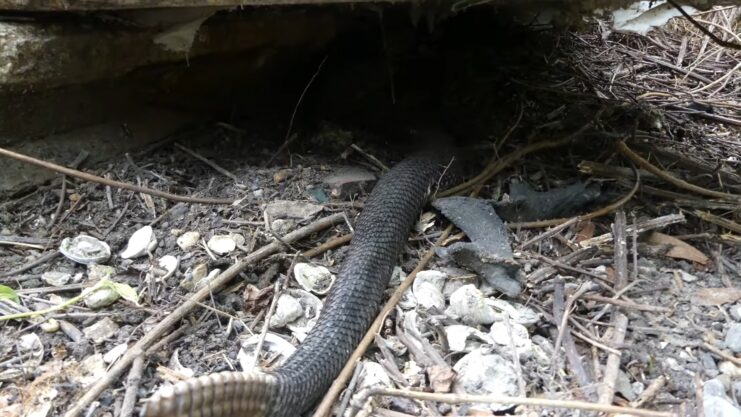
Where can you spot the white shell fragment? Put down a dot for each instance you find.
(170, 264)
(274, 346)
(50, 326)
(101, 297)
(85, 250)
(470, 306)
(56, 278)
(464, 338)
(483, 373)
(141, 242)
(313, 278)
(311, 307)
(187, 240)
(428, 289)
(221, 244)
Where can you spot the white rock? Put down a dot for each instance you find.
(715, 401)
(282, 226)
(730, 369)
(56, 278)
(372, 375)
(483, 373)
(459, 335)
(733, 337)
(313, 278)
(188, 239)
(470, 306)
(85, 250)
(518, 313)
(428, 289)
(221, 244)
(686, 276)
(287, 310)
(499, 333)
(101, 330)
(281, 209)
(141, 242)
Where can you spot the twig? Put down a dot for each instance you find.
(502, 399)
(657, 223)
(548, 233)
(612, 367)
(650, 392)
(350, 389)
(212, 164)
(625, 151)
(266, 325)
(711, 218)
(627, 304)
(703, 29)
(329, 398)
(60, 206)
(377, 162)
(289, 138)
(132, 387)
(99, 180)
(331, 244)
(736, 361)
(176, 315)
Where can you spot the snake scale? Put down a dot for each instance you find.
(380, 233)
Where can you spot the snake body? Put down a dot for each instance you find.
(380, 233)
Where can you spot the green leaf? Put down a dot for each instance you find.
(125, 291)
(7, 293)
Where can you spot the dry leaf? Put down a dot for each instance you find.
(679, 249)
(586, 231)
(715, 296)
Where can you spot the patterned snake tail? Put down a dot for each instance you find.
(380, 233)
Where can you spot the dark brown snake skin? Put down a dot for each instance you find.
(380, 233)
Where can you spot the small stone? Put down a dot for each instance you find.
(101, 330)
(687, 277)
(187, 240)
(735, 311)
(373, 375)
(221, 244)
(285, 209)
(56, 278)
(499, 333)
(733, 338)
(715, 401)
(281, 227)
(428, 289)
(464, 338)
(100, 272)
(470, 306)
(483, 373)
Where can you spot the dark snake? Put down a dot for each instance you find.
(381, 231)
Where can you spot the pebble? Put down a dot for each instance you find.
(372, 375)
(56, 278)
(715, 401)
(187, 240)
(733, 337)
(735, 311)
(428, 289)
(101, 330)
(482, 373)
(469, 305)
(287, 310)
(281, 209)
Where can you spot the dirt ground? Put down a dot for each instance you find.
(651, 320)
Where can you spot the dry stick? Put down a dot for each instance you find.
(711, 218)
(212, 164)
(550, 232)
(377, 162)
(612, 367)
(703, 29)
(649, 392)
(38, 261)
(736, 361)
(60, 206)
(625, 151)
(657, 223)
(132, 387)
(289, 138)
(329, 398)
(502, 399)
(266, 325)
(627, 304)
(99, 180)
(331, 244)
(176, 315)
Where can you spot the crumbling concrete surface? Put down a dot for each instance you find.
(37, 55)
